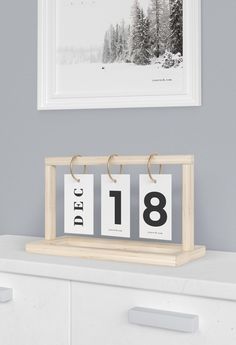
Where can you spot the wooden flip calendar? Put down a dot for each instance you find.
(146, 252)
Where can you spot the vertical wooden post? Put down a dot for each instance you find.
(188, 207)
(50, 202)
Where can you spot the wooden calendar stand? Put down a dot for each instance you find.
(153, 253)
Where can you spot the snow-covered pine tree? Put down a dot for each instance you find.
(119, 43)
(143, 56)
(123, 42)
(113, 43)
(106, 56)
(128, 44)
(164, 29)
(140, 37)
(154, 18)
(134, 41)
(176, 26)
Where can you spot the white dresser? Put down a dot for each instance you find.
(69, 301)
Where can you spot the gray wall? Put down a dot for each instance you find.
(27, 136)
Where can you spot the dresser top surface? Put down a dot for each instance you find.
(212, 276)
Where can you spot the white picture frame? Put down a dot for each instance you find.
(49, 98)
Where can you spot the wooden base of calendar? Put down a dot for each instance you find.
(117, 250)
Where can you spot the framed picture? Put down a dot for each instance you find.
(118, 53)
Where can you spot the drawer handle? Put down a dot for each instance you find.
(164, 319)
(5, 294)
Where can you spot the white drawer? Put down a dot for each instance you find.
(38, 313)
(100, 316)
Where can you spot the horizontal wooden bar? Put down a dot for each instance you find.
(125, 160)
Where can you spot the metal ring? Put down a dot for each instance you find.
(108, 167)
(149, 167)
(71, 168)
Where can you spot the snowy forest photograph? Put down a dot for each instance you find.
(120, 47)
